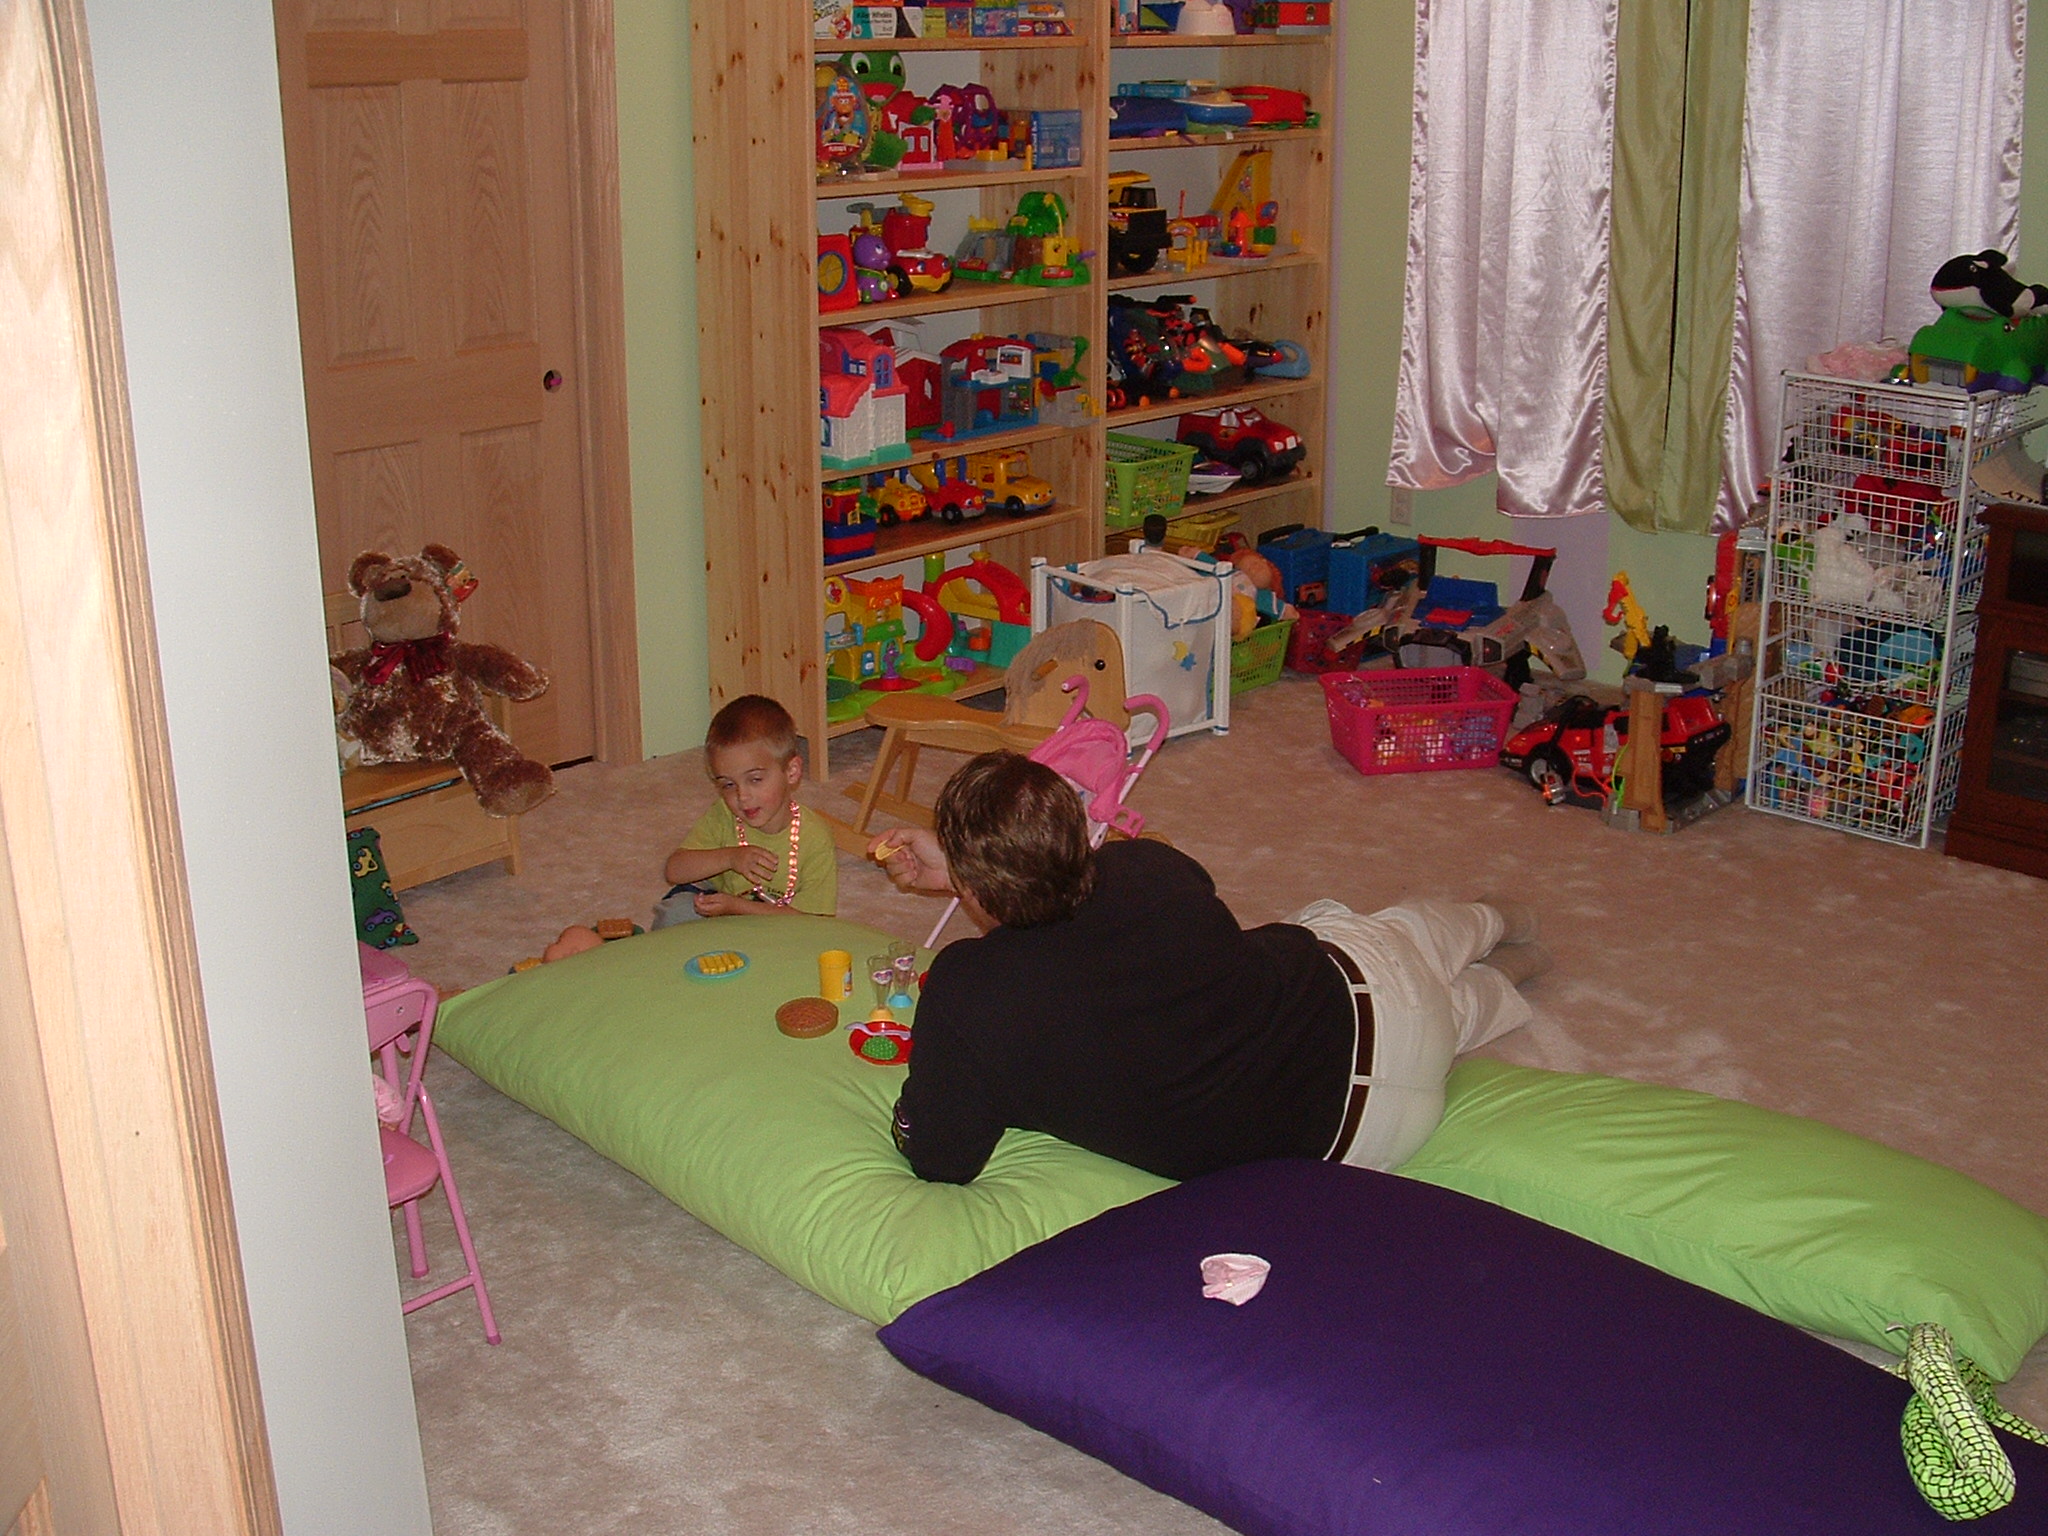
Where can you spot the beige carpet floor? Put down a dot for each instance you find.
(655, 1379)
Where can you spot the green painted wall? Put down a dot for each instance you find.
(1669, 571)
(657, 213)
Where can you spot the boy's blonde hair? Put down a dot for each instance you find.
(750, 718)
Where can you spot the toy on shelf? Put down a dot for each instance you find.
(1245, 438)
(984, 252)
(990, 626)
(849, 522)
(871, 279)
(844, 125)
(897, 500)
(1186, 246)
(1060, 396)
(947, 490)
(976, 125)
(987, 384)
(1042, 253)
(1005, 476)
(864, 632)
(861, 405)
(1244, 208)
(912, 267)
(1137, 224)
(1290, 18)
(836, 286)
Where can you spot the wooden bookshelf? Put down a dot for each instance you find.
(759, 198)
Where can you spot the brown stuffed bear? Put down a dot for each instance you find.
(416, 694)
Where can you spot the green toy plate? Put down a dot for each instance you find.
(720, 962)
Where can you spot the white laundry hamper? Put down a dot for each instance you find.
(1172, 617)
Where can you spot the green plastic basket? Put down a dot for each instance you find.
(1255, 660)
(1145, 476)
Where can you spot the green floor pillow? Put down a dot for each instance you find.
(1797, 1219)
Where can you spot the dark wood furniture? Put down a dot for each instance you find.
(2001, 813)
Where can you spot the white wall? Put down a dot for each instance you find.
(195, 172)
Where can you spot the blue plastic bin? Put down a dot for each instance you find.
(1303, 559)
(1355, 567)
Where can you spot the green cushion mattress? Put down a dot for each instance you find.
(782, 1145)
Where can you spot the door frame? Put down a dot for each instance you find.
(113, 1177)
(598, 251)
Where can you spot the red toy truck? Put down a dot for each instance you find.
(1570, 754)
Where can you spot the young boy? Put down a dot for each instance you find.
(751, 852)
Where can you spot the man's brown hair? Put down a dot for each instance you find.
(753, 717)
(1016, 839)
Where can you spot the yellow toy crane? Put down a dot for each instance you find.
(1623, 609)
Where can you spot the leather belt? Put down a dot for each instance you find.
(1361, 1003)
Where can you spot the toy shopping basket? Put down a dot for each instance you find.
(1413, 722)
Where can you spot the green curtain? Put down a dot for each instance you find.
(1679, 67)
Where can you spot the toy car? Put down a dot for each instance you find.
(1137, 224)
(1005, 475)
(1571, 753)
(898, 501)
(1245, 438)
(919, 272)
(948, 492)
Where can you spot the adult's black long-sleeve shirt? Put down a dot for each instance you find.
(1149, 1027)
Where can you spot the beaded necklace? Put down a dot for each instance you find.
(796, 832)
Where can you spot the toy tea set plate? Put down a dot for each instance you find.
(715, 965)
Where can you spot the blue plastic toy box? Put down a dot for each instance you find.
(1303, 560)
(1364, 569)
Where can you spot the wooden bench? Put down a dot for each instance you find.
(427, 818)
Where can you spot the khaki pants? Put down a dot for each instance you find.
(1431, 1001)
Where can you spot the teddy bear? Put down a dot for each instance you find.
(415, 693)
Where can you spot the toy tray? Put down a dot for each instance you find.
(1416, 722)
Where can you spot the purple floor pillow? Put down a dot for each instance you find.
(1421, 1363)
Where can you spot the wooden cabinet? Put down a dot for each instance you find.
(761, 207)
(2001, 814)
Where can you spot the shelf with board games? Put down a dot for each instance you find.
(1024, 165)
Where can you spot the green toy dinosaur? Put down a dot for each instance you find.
(1955, 1459)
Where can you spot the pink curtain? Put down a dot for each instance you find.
(1882, 137)
(1503, 343)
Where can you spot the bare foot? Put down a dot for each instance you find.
(1520, 963)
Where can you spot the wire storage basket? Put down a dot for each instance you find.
(1874, 563)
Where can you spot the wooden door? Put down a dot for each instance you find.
(430, 152)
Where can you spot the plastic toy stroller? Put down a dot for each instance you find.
(1097, 759)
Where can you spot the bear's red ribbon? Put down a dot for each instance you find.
(423, 659)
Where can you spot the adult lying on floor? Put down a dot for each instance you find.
(1114, 1002)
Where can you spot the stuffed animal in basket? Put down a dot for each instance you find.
(415, 693)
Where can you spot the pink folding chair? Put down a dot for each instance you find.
(399, 1008)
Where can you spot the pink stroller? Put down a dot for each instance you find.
(1094, 757)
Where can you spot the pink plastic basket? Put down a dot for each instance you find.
(1413, 722)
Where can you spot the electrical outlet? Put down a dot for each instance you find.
(1400, 506)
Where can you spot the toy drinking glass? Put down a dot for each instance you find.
(903, 978)
(835, 975)
(882, 972)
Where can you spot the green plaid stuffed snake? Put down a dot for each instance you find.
(1956, 1461)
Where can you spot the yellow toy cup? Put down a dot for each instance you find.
(835, 975)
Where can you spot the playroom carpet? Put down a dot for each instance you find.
(657, 1379)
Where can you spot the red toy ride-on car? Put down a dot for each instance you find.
(1572, 752)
